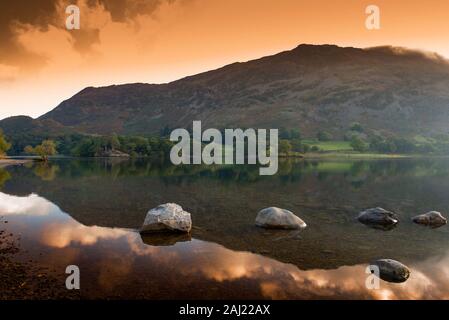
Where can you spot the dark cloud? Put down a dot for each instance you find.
(38, 13)
(122, 10)
(41, 14)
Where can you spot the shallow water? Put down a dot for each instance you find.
(85, 212)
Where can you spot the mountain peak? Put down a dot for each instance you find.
(311, 87)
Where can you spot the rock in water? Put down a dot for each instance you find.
(167, 217)
(162, 239)
(277, 218)
(433, 219)
(378, 217)
(392, 270)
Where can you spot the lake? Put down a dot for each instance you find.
(87, 213)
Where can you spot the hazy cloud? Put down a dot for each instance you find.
(19, 16)
(123, 10)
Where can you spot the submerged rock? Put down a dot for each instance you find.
(378, 218)
(392, 270)
(277, 218)
(433, 219)
(167, 217)
(161, 239)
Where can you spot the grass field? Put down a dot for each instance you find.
(330, 145)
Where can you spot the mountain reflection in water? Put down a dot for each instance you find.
(116, 262)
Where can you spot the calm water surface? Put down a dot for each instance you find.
(86, 213)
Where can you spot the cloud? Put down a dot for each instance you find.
(202, 260)
(22, 16)
(13, 205)
(38, 13)
(62, 234)
(124, 10)
(410, 53)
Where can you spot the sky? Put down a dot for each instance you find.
(156, 41)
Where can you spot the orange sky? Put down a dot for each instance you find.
(41, 63)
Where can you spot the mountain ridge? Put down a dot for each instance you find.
(387, 89)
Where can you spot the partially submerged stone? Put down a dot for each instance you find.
(161, 239)
(433, 219)
(378, 218)
(277, 218)
(167, 217)
(391, 270)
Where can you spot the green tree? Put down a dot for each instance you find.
(305, 148)
(358, 144)
(324, 136)
(285, 147)
(284, 133)
(165, 132)
(289, 134)
(356, 127)
(114, 142)
(4, 145)
(404, 145)
(85, 148)
(297, 145)
(44, 150)
(295, 134)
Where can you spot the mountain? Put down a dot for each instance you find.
(30, 126)
(386, 89)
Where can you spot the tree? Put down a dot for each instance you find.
(44, 150)
(324, 136)
(4, 145)
(295, 134)
(289, 134)
(296, 145)
(285, 147)
(305, 148)
(404, 145)
(358, 144)
(165, 132)
(87, 147)
(356, 127)
(284, 133)
(114, 142)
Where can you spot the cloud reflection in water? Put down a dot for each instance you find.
(117, 262)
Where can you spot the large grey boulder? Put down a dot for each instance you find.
(391, 270)
(277, 218)
(433, 219)
(167, 217)
(378, 218)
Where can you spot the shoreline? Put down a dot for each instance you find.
(343, 155)
(26, 280)
(336, 155)
(6, 162)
